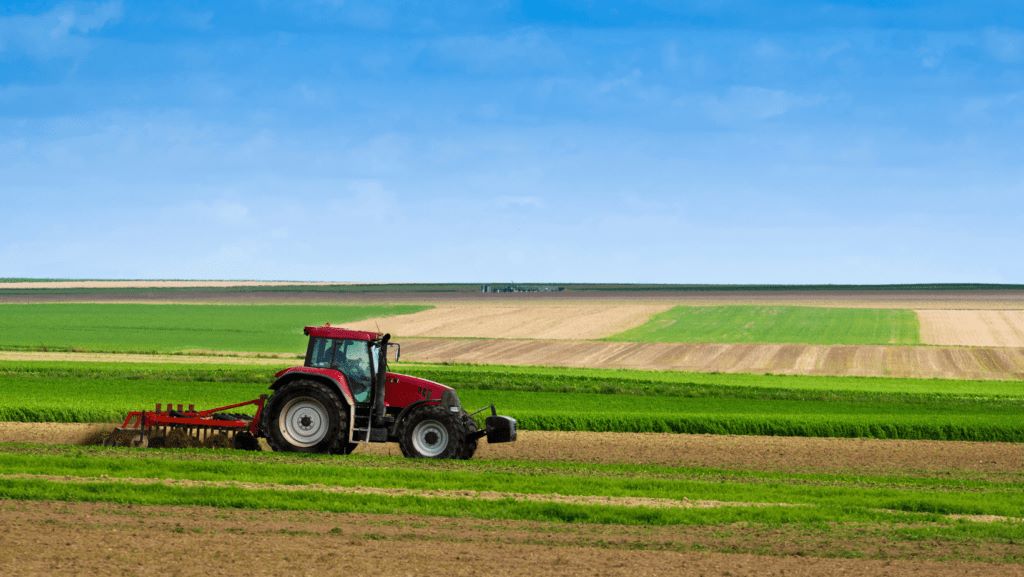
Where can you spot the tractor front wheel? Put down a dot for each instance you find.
(433, 432)
(306, 417)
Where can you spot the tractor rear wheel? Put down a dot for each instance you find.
(433, 432)
(306, 417)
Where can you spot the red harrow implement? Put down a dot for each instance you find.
(180, 427)
(343, 396)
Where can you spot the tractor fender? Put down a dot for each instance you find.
(405, 412)
(331, 377)
(448, 400)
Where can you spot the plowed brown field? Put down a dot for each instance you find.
(983, 363)
(991, 328)
(1000, 363)
(48, 538)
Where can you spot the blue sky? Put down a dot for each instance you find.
(683, 142)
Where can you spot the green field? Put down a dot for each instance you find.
(568, 399)
(778, 324)
(173, 328)
(839, 510)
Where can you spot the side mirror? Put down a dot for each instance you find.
(398, 350)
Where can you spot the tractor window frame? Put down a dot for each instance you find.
(313, 342)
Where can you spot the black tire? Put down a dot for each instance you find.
(246, 441)
(324, 412)
(471, 440)
(432, 432)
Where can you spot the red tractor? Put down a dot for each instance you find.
(342, 396)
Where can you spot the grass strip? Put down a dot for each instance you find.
(231, 497)
(849, 493)
(778, 324)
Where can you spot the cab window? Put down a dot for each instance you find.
(321, 353)
(350, 357)
(353, 359)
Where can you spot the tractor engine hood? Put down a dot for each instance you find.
(403, 390)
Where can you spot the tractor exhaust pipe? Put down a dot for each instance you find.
(382, 376)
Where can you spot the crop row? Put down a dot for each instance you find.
(859, 497)
(547, 400)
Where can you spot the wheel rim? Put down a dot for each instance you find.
(430, 438)
(303, 422)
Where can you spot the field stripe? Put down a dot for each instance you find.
(761, 453)
(601, 500)
(778, 324)
(990, 328)
(932, 362)
(980, 363)
(529, 320)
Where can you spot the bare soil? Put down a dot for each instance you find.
(990, 328)
(786, 454)
(47, 538)
(982, 363)
(793, 454)
(54, 433)
(998, 363)
(540, 320)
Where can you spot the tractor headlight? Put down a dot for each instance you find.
(450, 401)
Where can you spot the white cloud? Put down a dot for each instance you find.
(670, 55)
(519, 201)
(766, 50)
(488, 53)
(84, 18)
(371, 15)
(744, 103)
(59, 32)
(1004, 45)
(627, 81)
(220, 211)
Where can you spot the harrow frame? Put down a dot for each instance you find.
(192, 421)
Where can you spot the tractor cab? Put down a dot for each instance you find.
(360, 357)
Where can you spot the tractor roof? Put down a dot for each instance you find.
(327, 331)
